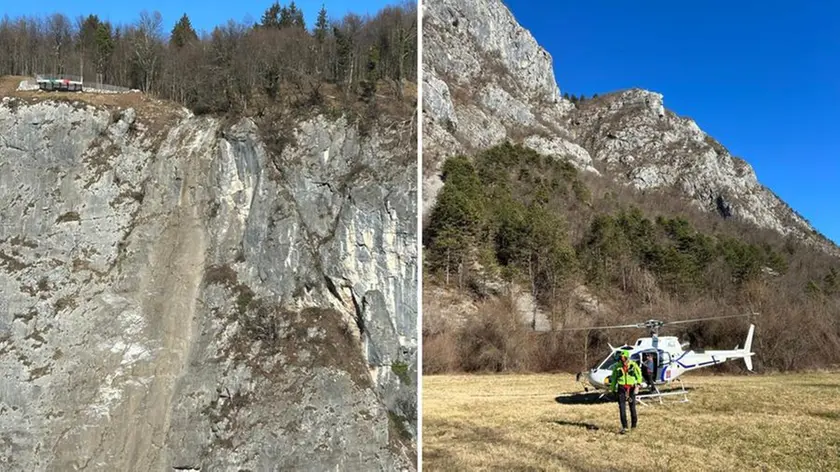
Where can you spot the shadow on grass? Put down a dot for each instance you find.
(826, 415)
(589, 426)
(589, 398)
(594, 398)
(441, 456)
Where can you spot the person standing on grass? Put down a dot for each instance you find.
(648, 371)
(625, 378)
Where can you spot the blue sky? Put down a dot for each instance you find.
(763, 78)
(203, 14)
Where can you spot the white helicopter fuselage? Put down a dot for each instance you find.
(670, 360)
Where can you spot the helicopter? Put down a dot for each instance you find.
(670, 357)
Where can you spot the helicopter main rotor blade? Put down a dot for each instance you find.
(645, 324)
(709, 318)
(601, 327)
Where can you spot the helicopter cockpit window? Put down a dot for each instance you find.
(664, 358)
(608, 362)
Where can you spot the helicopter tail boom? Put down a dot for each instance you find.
(695, 359)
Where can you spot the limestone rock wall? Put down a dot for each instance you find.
(173, 295)
(487, 80)
(638, 142)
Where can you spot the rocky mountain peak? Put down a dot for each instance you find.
(491, 41)
(487, 80)
(636, 141)
(643, 102)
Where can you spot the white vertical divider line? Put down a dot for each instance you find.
(419, 235)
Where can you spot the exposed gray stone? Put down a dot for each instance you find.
(504, 82)
(463, 37)
(193, 301)
(503, 106)
(500, 84)
(561, 148)
(437, 101)
(634, 137)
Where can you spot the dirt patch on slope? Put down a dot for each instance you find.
(157, 114)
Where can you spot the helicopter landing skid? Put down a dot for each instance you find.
(660, 395)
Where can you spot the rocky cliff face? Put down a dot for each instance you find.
(636, 141)
(175, 296)
(487, 80)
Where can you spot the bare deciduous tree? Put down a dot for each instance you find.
(243, 67)
(147, 43)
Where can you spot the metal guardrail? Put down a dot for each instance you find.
(105, 87)
(45, 77)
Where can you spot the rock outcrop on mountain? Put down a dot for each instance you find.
(635, 140)
(177, 296)
(486, 80)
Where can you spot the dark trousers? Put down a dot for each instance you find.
(622, 399)
(648, 378)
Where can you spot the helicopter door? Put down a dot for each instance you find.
(664, 361)
(655, 361)
(640, 357)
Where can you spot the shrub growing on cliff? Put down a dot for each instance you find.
(458, 219)
(501, 208)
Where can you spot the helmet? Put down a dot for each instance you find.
(621, 352)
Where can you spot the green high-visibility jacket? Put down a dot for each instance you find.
(633, 376)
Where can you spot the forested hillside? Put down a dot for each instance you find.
(235, 67)
(511, 216)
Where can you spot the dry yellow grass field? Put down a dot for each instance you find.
(516, 423)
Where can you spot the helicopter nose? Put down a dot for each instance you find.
(597, 377)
